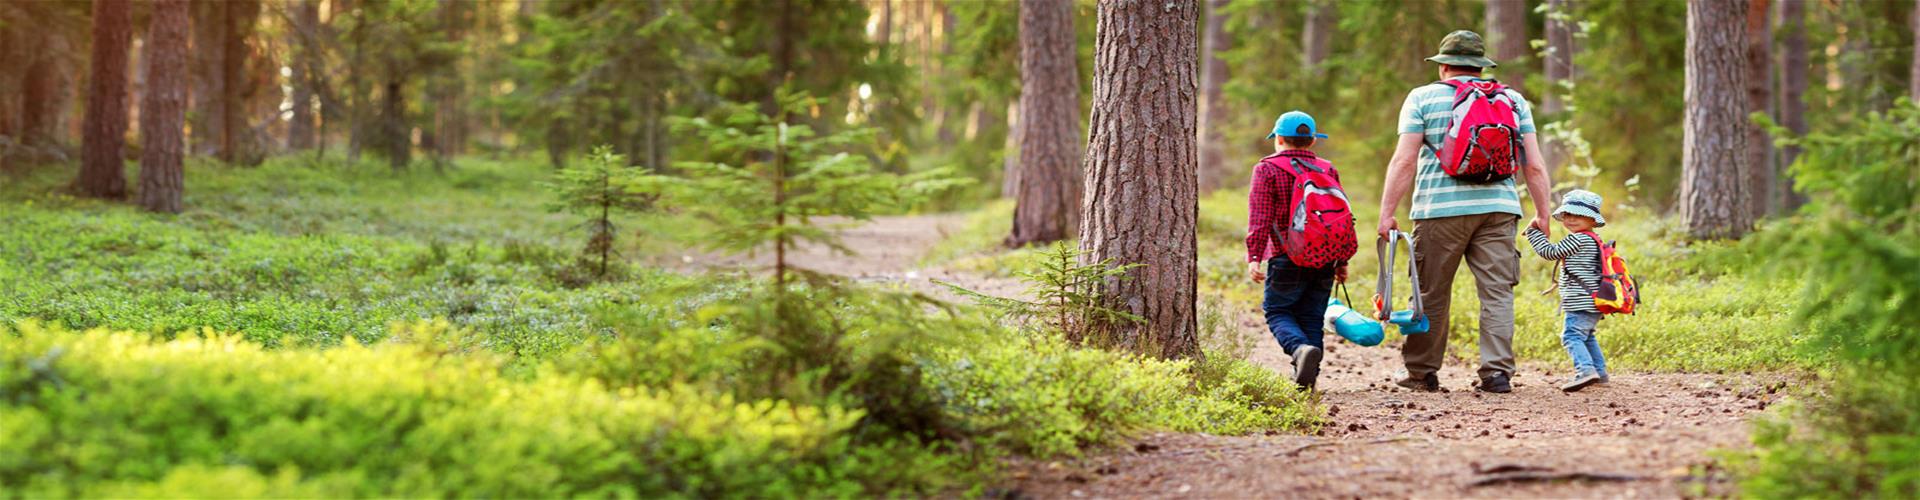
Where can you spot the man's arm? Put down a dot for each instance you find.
(1539, 187)
(1400, 173)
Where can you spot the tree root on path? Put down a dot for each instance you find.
(1295, 451)
(1536, 477)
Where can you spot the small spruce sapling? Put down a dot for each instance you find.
(597, 189)
(782, 176)
(1066, 297)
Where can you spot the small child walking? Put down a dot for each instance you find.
(1295, 202)
(1579, 256)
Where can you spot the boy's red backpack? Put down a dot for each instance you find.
(1616, 293)
(1318, 230)
(1483, 144)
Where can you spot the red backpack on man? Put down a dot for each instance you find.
(1318, 228)
(1483, 144)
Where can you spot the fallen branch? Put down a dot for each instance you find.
(1537, 477)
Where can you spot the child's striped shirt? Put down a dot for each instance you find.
(1579, 270)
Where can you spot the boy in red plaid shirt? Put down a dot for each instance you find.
(1296, 297)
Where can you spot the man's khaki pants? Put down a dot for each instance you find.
(1486, 241)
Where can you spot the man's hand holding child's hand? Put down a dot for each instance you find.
(1256, 273)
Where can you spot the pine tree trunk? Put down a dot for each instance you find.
(1913, 71)
(395, 134)
(1316, 36)
(102, 164)
(1558, 67)
(1757, 165)
(1141, 194)
(449, 102)
(235, 130)
(209, 77)
(47, 93)
(1213, 104)
(305, 70)
(1713, 196)
(1793, 69)
(1559, 62)
(1047, 193)
(163, 108)
(1507, 41)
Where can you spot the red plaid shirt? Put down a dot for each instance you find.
(1271, 193)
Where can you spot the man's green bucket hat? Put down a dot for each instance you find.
(1463, 48)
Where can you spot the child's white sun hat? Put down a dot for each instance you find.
(1583, 203)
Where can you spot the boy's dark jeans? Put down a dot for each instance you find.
(1296, 302)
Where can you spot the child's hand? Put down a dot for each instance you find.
(1256, 273)
(1340, 274)
(1541, 224)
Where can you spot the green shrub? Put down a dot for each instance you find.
(103, 413)
(1854, 249)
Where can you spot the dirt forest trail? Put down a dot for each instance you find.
(1644, 435)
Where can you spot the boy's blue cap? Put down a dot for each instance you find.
(1295, 124)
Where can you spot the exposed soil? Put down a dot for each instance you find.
(1642, 435)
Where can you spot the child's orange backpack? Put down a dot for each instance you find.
(1616, 293)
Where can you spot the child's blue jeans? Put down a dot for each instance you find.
(1581, 345)
(1296, 303)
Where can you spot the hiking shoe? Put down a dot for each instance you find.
(1496, 383)
(1306, 365)
(1580, 381)
(1428, 383)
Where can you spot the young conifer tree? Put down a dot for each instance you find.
(781, 175)
(597, 189)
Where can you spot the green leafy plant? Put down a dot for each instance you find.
(598, 189)
(1853, 247)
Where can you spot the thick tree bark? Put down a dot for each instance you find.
(1913, 71)
(1047, 193)
(1757, 165)
(1213, 102)
(1793, 68)
(1713, 197)
(1317, 35)
(305, 70)
(1141, 194)
(163, 108)
(1507, 40)
(102, 166)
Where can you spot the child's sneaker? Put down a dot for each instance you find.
(1306, 365)
(1581, 381)
(1604, 378)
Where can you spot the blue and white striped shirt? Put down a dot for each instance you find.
(1429, 110)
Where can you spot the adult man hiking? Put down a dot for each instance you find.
(1467, 209)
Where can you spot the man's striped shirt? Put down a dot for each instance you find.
(1429, 110)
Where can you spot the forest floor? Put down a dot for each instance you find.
(1642, 435)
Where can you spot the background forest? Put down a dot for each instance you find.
(615, 247)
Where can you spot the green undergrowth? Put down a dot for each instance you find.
(1710, 306)
(428, 334)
